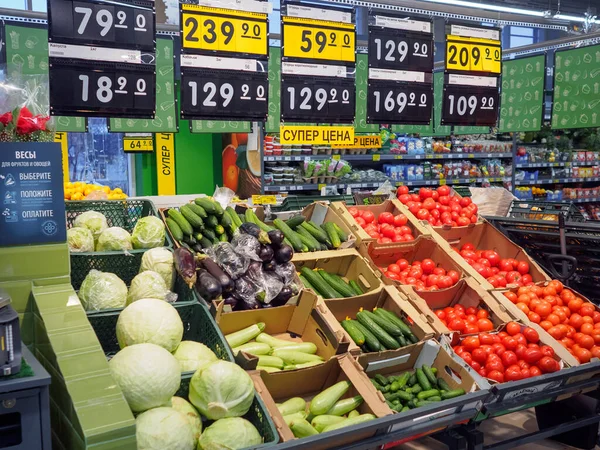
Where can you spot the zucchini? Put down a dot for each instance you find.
(388, 341)
(370, 340)
(253, 348)
(423, 380)
(295, 357)
(393, 318)
(302, 347)
(441, 383)
(453, 393)
(291, 406)
(249, 215)
(198, 210)
(353, 331)
(309, 237)
(234, 217)
(389, 327)
(263, 226)
(334, 237)
(324, 401)
(343, 236)
(303, 365)
(345, 405)
(272, 341)
(185, 226)
(321, 422)
(295, 221)
(317, 233)
(352, 414)
(355, 287)
(339, 285)
(429, 374)
(242, 218)
(308, 242)
(247, 334)
(270, 361)
(268, 369)
(350, 422)
(295, 416)
(212, 222)
(301, 428)
(206, 204)
(322, 288)
(307, 284)
(174, 229)
(289, 234)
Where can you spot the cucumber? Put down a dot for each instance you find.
(317, 233)
(219, 230)
(353, 331)
(403, 379)
(185, 226)
(324, 401)
(198, 210)
(376, 384)
(227, 223)
(345, 405)
(382, 380)
(423, 380)
(343, 236)
(322, 288)
(207, 204)
(270, 361)
(321, 422)
(371, 341)
(212, 222)
(223, 238)
(209, 234)
(334, 237)
(394, 386)
(412, 380)
(453, 393)
(352, 414)
(429, 374)
(295, 357)
(314, 243)
(205, 242)
(295, 416)
(291, 406)
(295, 221)
(424, 395)
(198, 236)
(393, 318)
(174, 229)
(307, 284)
(388, 326)
(441, 383)
(289, 234)
(234, 217)
(406, 408)
(254, 348)
(339, 285)
(268, 369)
(247, 334)
(308, 243)
(350, 422)
(356, 287)
(219, 211)
(301, 428)
(388, 341)
(416, 389)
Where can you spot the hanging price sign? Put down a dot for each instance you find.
(472, 104)
(320, 40)
(475, 55)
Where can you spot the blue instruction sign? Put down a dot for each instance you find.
(32, 205)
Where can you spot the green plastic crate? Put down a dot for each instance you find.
(257, 415)
(297, 202)
(119, 213)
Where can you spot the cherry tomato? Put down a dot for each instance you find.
(485, 325)
(512, 374)
(457, 325)
(486, 339)
(547, 350)
(428, 265)
(535, 371)
(496, 375)
(532, 355)
(513, 328)
(509, 358)
(548, 365)
(499, 349)
(531, 335)
(494, 364)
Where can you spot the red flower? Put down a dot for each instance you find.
(24, 112)
(6, 118)
(27, 123)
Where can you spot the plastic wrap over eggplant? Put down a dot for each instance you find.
(232, 262)
(185, 264)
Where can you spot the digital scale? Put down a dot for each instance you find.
(10, 337)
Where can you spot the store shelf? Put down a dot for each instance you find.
(391, 157)
(556, 180)
(577, 200)
(554, 164)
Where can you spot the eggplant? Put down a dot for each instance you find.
(213, 268)
(185, 264)
(284, 254)
(267, 305)
(207, 286)
(245, 304)
(269, 266)
(266, 253)
(231, 301)
(282, 298)
(276, 237)
(254, 270)
(254, 230)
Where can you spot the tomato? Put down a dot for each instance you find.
(402, 190)
(386, 217)
(513, 328)
(463, 221)
(400, 220)
(510, 343)
(457, 325)
(479, 355)
(523, 267)
(548, 365)
(509, 358)
(440, 271)
(494, 364)
(547, 350)
(353, 212)
(486, 339)
(499, 349)
(485, 325)
(465, 201)
(427, 265)
(368, 216)
(532, 355)
(470, 343)
(425, 193)
(512, 374)
(513, 276)
(531, 335)
(527, 279)
(585, 341)
(443, 190)
(360, 221)
(492, 257)
(505, 265)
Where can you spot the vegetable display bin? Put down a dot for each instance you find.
(119, 213)
(257, 415)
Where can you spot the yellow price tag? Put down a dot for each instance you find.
(224, 30)
(131, 145)
(473, 55)
(318, 39)
(376, 157)
(442, 182)
(336, 157)
(321, 186)
(471, 156)
(399, 183)
(264, 200)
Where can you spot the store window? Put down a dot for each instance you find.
(97, 157)
(520, 36)
(275, 18)
(14, 4)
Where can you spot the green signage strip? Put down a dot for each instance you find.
(165, 120)
(272, 125)
(362, 75)
(438, 98)
(470, 130)
(219, 126)
(522, 98)
(27, 68)
(576, 88)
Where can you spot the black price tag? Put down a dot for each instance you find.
(219, 94)
(318, 99)
(123, 90)
(394, 50)
(106, 24)
(470, 105)
(399, 103)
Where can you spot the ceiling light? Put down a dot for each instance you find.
(573, 18)
(506, 9)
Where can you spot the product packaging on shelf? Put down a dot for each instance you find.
(390, 299)
(300, 323)
(469, 294)
(306, 383)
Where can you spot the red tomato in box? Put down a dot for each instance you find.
(368, 216)
(443, 190)
(386, 217)
(402, 190)
(400, 220)
(523, 267)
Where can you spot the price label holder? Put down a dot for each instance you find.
(397, 102)
(473, 55)
(264, 199)
(102, 58)
(138, 144)
(469, 100)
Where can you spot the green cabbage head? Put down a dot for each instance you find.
(149, 232)
(160, 260)
(147, 374)
(193, 355)
(147, 284)
(150, 321)
(162, 429)
(114, 239)
(80, 239)
(102, 290)
(229, 434)
(221, 389)
(93, 221)
(191, 414)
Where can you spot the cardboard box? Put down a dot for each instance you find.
(484, 236)
(448, 367)
(300, 323)
(336, 310)
(382, 255)
(306, 383)
(347, 263)
(393, 206)
(469, 294)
